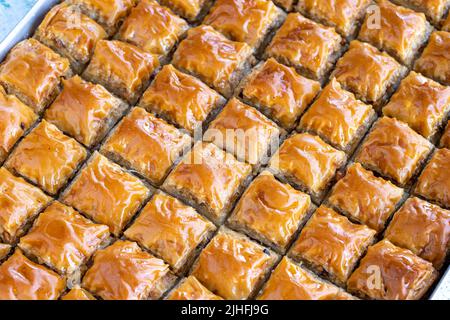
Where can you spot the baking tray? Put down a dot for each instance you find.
(25, 28)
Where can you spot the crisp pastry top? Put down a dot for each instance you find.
(188, 9)
(330, 241)
(272, 209)
(34, 71)
(393, 149)
(169, 228)
(420, 102)
(366, 71)
(445, 139)
(423, 228)
(400, 275)
(147, 143)
(434, 9)
(179, 97)
(243, 131)
(152, 27)
(192, 289)
(62, 238)
(22, 279)
(280, 91)
(243, 20)
(19, 201)
(336, 115)
(4, 250)
(123, 271)
(365, 197)
(82, 109)
(78, 293)
(231, 265)
(308, 159)
(106, 192)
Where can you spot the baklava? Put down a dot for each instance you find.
(191, 289)
(4, 250)
(433, 9)
(446, 24)
(192, 10)
(78, 293)
(445, 139)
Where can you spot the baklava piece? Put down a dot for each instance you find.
(70, 33)
(209, 179)
(287, 5)
(78, 293)
(191, 289)
(85, 111)
(420, 102)
(344, 15)
(106, 193)
(338, 117)
(248, 21)
(434, 181)
(32, 72)
(217, 61)
(445, 139)
(433, 9)
(306, 45)
(423, 228)
(233, 266)
(369, 73)
(331, 244)
(290, 281)
(17, 118)
(181, 99)
(146, 144)
(22, 279)
(279, 92)
(394, 150)
(245, 132)
(46, 157)
(446, 24)
(271, 211)
(435, 61)
(401, 32)
(308, 163)
(122, 68)
(123, 271)
(365, 198)
(4, 250)
(388, 272)
(171, 230)
(63, 239)
(152, 28)
(193, 10)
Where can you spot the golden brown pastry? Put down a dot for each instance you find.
(4, 250)
(78, 293)
(191, 289)
(190, 10)
(285, 4)
(445, 139)
(446, 24)
(433, 9)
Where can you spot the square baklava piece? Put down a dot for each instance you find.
(338, 117)
(17, 118)
(78, 294)
(123, 271)
(22, 279)
(106, 193)
(232, 266)
(279, 92)
(193, 10)
(308, 163)
(32, 72)
(85, 111)
(122, 68)
(331, 244)
(306, 45)
(152, 28)
(445, 139)
(434, 181)
(216, 60)
(209, 179)
(191, 289)
(63, 239)
(244, 132)
(20, 202)
(369, 73)
(423, 228)
(70, 33)
(433, 9)
(248, 21)
(393, 150)
(271, 211)
(434, 61)
(420, 102)
(290, 281)
(365, 198)
(401, 32)
(388, 272)
(47, 157)
(171, 230)
(146, 144)
(181, 99)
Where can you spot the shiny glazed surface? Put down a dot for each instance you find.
(78, 294)
(192, 289)
(189, 9)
